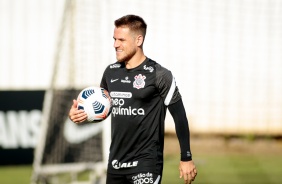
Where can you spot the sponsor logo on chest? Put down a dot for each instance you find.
(126, 80)
(139, 81)
(118, 105)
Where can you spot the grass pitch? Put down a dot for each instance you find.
(218, 161)
(228, 161)
(229, 169)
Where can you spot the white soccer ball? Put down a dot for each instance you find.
(96, 102)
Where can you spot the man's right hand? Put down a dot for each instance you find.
(75, 115)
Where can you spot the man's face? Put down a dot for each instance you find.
(124, 44)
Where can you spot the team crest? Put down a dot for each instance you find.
(139, 81)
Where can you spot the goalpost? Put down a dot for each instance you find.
(66, 150)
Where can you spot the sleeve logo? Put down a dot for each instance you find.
(116, 65)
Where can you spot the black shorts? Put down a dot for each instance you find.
(137, 178)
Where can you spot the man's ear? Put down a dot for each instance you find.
(139, 40)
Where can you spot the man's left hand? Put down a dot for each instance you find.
(188, 171)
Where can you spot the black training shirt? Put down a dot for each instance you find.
(140, 97)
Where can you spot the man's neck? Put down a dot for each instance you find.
(135, 61)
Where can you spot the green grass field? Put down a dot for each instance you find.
(228, 169)
(218, 162)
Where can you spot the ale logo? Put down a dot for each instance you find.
(117, 165)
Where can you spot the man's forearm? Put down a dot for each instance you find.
(178, 113)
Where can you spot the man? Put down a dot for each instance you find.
(141, 91)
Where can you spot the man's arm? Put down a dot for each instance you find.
(182, 129)
(187, 167)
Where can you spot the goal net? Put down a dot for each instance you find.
(66, 152)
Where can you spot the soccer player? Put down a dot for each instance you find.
(141, 91)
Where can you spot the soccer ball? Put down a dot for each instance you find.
(96, 102)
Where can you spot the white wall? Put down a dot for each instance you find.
(28, 29)
(226, 55)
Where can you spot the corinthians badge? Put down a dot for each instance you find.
(139, 81)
